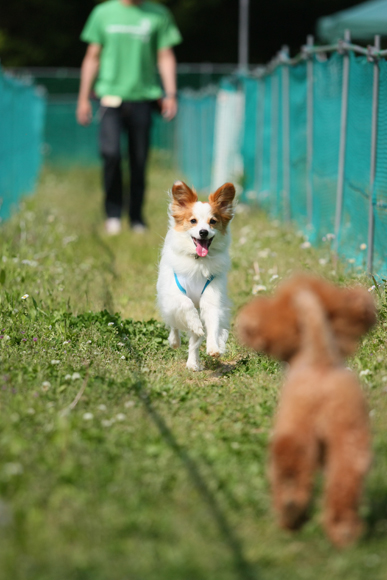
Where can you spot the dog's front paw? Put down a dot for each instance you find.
(214, 352)
(194, 366)
(196, 327)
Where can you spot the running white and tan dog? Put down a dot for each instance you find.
(192, 282)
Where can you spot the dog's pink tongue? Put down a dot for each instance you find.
(202, 248)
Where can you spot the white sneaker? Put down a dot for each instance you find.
(113, 226)
(138, 227)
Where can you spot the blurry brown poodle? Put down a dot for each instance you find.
(322, 419)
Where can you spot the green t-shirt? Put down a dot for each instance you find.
(130, 37)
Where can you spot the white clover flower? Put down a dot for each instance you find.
(120, 344)
(25, 297)
(264, 253)
(110, 323)
(323, 261)
(305, 245)
(120, 417)
(365, 372)
(330, 236)
(129, 404)
(107, 423)
(55, 362)
(88, 416)
(45, 386)
(102, 407)
(11, 469)
(88, 342)
(258, 288)
(69, 239)
(75, 376)
(363, 246)
(31, 411)
(67, 378)
(242, 241)
(274, 277)
(351, 261)
(122, 358)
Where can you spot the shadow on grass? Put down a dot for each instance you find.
(242, 567)
(226, 369)
(377, 515)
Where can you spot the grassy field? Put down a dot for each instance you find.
(116, 463)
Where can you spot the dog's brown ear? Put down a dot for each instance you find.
(250, 324)
(221, 201)
(362, 308)
(182, 194)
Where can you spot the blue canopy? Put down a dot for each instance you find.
(363, 21)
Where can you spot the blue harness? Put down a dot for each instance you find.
(184, 290)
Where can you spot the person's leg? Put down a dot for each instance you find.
(138, 121)
(109, 144)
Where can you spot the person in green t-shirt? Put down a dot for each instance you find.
(128, 41)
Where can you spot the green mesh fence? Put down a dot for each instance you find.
(195, 137)
(68, 143)
(294, 178)
(306, 148)
(22, 110)
(298, 146)
(327, 89)
(354, 225)
(380, 185)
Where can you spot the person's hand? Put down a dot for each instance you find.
(169, 108)
(84, 112)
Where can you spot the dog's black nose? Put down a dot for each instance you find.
(203, 233)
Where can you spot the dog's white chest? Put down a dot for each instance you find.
(193, 287)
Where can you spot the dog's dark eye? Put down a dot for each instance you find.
(193, 221)
(212, 221)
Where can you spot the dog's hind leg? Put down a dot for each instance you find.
(174, 338)
(193, 362)
(347, 466)
(293, 460)
(223, 336)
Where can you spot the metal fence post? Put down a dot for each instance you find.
(259, 134)
(374, 137)
(309, 136)
(243, 41)
(343, 140)
(285, 133)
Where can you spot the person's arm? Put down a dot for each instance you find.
(89, 71)
(166, 63)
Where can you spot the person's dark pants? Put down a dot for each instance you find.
(133, 117)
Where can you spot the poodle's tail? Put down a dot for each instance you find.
(317, 340)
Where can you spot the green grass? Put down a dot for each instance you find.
(116, 463)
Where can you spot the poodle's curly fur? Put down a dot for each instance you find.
(322, 418)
